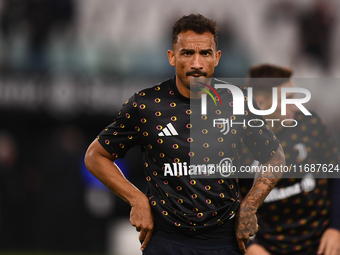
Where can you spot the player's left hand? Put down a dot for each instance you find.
(330, 242)
(245, 225)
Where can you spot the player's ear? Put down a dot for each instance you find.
(171, 57)
(218, 56)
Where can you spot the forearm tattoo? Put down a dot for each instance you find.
(245, 222)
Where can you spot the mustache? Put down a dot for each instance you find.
(196, 72)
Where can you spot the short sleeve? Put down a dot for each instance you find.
(123, 133)
(259, 138)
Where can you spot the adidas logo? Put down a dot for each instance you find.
(169, 130)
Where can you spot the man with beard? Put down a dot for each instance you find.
(183, 212)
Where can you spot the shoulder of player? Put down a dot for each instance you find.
(154, 90)
(313, 119)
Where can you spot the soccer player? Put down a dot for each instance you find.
(184, 211)
(297, 217)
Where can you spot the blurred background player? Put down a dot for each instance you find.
(300, 215)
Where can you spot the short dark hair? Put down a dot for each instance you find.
(277, 76)
(195, 22)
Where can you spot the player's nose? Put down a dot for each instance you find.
(197, 62)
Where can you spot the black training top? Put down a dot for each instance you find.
(297, 211)
(176, 141)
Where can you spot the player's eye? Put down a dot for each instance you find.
(187, 53)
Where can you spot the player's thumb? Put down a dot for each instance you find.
(241, 245)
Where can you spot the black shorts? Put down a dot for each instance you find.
(171, 244)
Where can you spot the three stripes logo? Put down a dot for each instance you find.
(169, 130)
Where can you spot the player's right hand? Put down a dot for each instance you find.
(141, 217)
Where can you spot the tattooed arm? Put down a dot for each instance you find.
(246, 221)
